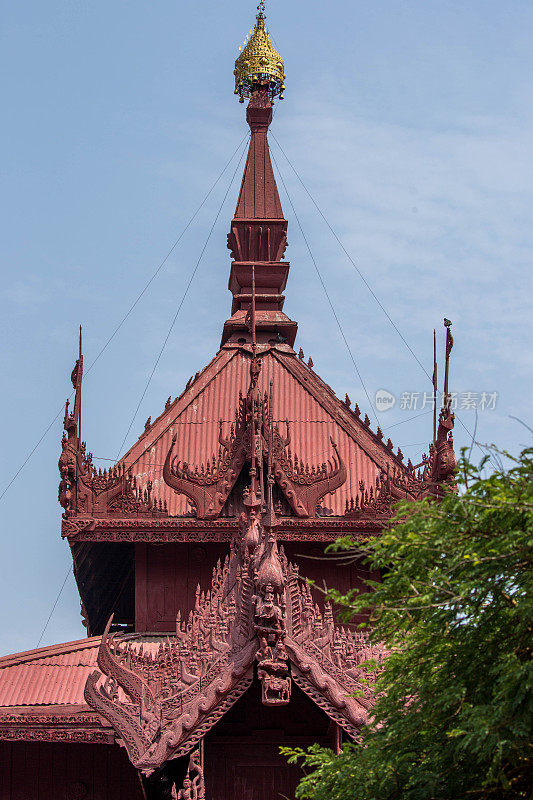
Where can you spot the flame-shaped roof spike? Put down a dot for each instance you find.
(259, 62)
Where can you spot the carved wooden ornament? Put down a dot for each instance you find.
(162, 699)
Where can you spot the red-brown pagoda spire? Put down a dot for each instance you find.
(258, 197)
(258, 235)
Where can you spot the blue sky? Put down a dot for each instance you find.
(410, 124)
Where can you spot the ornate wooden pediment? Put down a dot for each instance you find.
(161, 698)
(208, 486)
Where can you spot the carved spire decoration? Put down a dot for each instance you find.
(161, 699)
(435, 473)
(434, 383)
(442, 463)
(69, 460)
(86, 490)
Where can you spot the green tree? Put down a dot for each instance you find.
(454, 712)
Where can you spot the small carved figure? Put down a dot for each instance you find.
(268, 618)
(250, 532)
(193, 784)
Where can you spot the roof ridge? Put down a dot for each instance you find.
(190, 385)
(53, 649)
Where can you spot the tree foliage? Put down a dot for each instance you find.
(454, 712)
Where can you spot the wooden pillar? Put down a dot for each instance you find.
(335, 737)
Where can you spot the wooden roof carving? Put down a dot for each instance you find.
(257, 610)
(176, 452)
(208, 485)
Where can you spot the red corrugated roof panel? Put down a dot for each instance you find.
(53, 675)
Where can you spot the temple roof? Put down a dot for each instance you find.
(320, 442)
(315, 415)
(41, 695)
(161, 694)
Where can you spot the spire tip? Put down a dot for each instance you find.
(259, 62)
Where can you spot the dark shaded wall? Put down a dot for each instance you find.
(66, 771)
(166, 577)
(242, 758)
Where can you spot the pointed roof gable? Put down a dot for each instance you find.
(256, 610)
(314, 413)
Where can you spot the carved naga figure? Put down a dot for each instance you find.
(209, 486)
(302, 485)
(442, 464)
(444, 461)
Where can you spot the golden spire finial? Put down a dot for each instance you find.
(259, 62)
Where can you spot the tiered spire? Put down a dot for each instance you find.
(258, 235)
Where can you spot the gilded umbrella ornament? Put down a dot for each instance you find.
(259, 62)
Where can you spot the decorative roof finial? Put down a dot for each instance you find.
(259, 63)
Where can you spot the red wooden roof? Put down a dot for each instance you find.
(314, 413)
(53, 675)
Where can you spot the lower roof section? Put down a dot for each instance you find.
(47, 676)
(41, 695)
